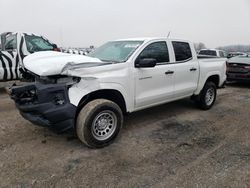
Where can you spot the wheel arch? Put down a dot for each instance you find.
(109, 94)
(215, 79)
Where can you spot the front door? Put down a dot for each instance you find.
(154, 85)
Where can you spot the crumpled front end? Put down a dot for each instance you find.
(45, 105)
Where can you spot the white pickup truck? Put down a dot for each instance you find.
(14, 46)
(212, 52)
(92, 93)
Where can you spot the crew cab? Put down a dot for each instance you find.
(14, 46)
(212, 53)
(93, 93)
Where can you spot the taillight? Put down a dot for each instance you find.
(247, 67)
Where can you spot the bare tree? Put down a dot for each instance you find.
(198, 46)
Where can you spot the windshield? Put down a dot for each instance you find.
(116, 51)
(36, 43)
(208, 52)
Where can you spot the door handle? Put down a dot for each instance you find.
(169, 72)
(193, 69)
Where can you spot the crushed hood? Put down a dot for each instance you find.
(50, 63)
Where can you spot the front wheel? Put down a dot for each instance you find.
(207, 96)
(99, 123)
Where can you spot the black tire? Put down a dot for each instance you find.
(201, 99)
(92, 123)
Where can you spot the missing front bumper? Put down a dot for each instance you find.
(45, 105)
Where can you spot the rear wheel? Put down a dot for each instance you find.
(207, 96)
(99, 123)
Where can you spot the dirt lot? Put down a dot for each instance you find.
(174, 145)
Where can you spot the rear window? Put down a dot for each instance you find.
(182, 51)
(208, 52)
(222, 54)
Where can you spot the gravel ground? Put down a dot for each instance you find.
(173, 145)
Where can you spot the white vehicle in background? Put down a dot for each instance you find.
(92, 93)
(14, 46)
(79, 51)
(233, 54)
(213, 53)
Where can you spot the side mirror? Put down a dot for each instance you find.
(145, 63)
(54, 45)
(55, 48)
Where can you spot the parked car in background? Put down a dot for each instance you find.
(213, 53)
(92, 93)
(238, 68)
(233, 54)
(80, 51)
(14, 47)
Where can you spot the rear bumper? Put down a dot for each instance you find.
(45, 105)
(238, 77)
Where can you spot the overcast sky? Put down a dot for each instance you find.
(80, 23)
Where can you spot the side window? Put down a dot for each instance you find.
(182, 51)
(10, 42)
(36, 43)
(157, 50)
(221, 54)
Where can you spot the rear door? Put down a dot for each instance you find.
(154, 85)
(9, 59)
(186, 69)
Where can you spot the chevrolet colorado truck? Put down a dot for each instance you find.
(14, 46)
(92, 93)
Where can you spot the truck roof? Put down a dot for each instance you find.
(212, 50)
(147, 39)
